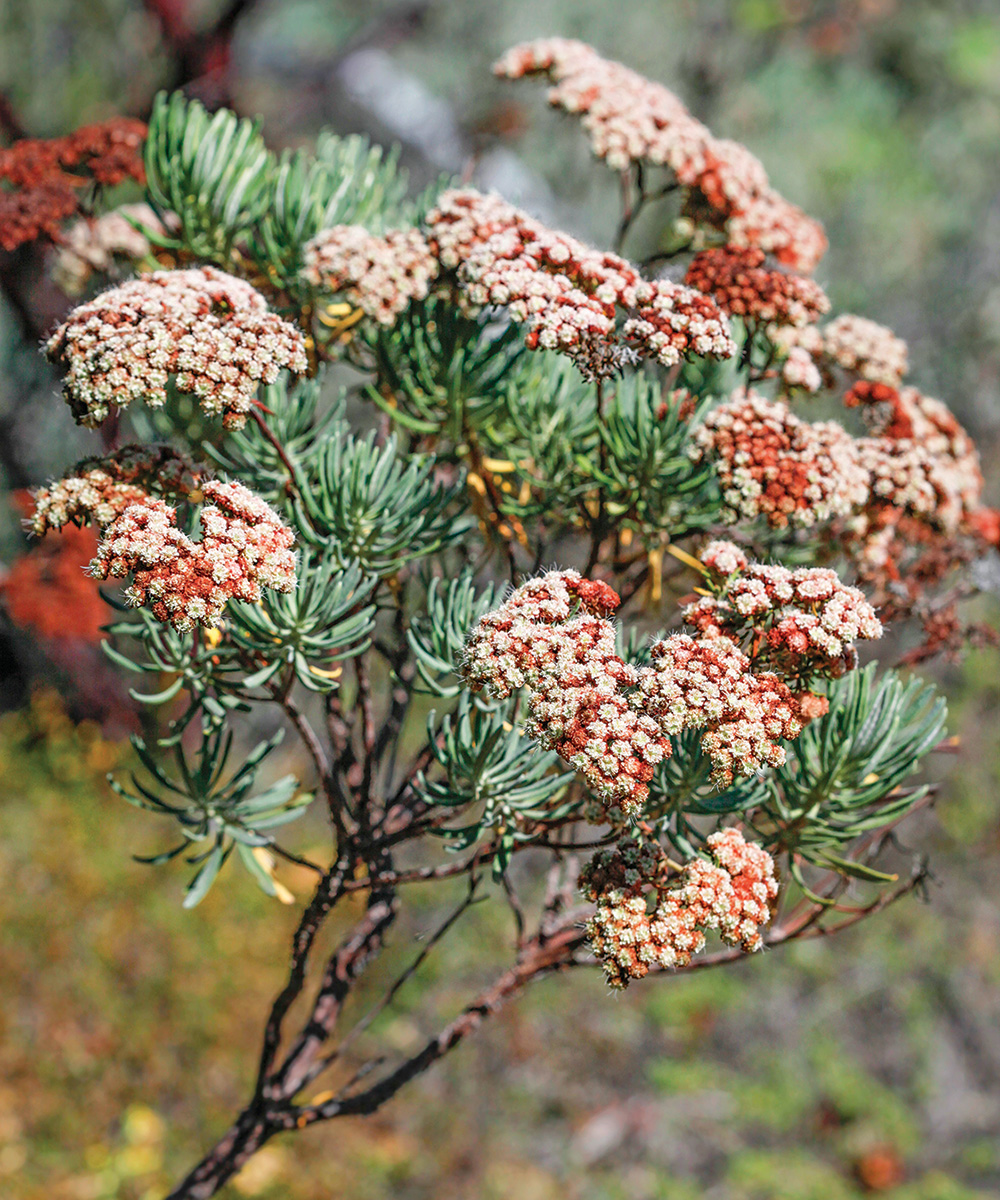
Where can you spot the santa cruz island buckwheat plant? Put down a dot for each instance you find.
(557, 564)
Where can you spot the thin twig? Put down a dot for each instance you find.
(390, 994)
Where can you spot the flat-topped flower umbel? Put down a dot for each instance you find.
(209, 332)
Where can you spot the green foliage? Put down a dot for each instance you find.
(548, 430)
(213, 809)
(329, 617)
(210, 171)
(487, 763)
(345, 181)
(442, 372)
(298, 426)
(645, 473)
(843, 773)
(209, 672)
(367, 504)
(568, 445)
(437, 634)
(230, 193)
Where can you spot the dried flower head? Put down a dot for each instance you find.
(210, 332)
(109, 151)
(47, 591)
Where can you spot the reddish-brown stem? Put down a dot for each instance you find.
(290, 486)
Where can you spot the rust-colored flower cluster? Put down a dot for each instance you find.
(47, 591)
(245, 546)
(773, 464)
(917, 462)
(41, 181)
(381, 275)
(630, 119)
(921, 458)
(646, 920)
(210, 332)
(569, 295)
(99, 489)
(743, 287)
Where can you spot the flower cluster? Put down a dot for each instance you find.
(46, 589)
(914, 478)
(100, 489)
(771, 463)
(799, 353)
(630, 119)
(800, 621)
(211, 332)
(733, 895)
(641, 922)
(743, 287)
(569, 294)
(44, 178)
(707, 683)
(378, 274)
(924, 471)
(244, 547)
(95, 244)
(865, 348)
(612, 721)
(552, 637)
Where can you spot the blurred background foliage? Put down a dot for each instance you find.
(869, 1065)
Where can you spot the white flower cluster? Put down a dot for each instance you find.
(708, 683)
(733, 895)
(866, 348)
(210, 332)
(379, 274)
(93, 244)
(568, 294)
(552, 638)
(801, 620)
